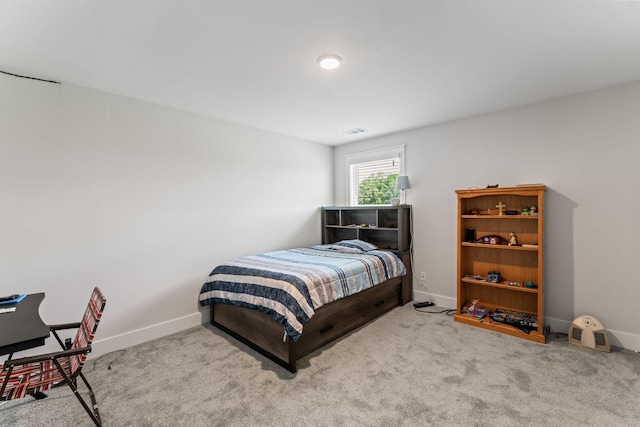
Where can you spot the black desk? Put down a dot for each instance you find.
(22, 329)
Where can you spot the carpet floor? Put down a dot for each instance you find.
(407, 368)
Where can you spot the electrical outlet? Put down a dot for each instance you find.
(423, 275)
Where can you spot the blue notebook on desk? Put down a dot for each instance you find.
(15, 300)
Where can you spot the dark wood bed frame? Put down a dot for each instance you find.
(330, 322)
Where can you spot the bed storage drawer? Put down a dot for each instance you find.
(343, 316)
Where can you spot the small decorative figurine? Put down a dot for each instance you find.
(532, 210)
(513, 241)
(525, 211)
(500, 206)
(494, 277)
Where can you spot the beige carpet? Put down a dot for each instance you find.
(404, 369)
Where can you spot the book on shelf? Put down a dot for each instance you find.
(473, 308)
(515, 318)
(529, 245)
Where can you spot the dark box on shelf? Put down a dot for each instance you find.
(515, 318)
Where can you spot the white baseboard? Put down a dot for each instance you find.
(439, 300)
(128, 339)
(119, 342)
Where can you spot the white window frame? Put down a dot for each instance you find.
(370, 156)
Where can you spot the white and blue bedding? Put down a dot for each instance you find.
(289, 285)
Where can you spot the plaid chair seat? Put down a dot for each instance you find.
(17, 383)
(35, 377)
(35, 374)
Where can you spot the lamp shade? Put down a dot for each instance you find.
(402, 183)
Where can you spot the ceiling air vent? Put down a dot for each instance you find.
(355, 131)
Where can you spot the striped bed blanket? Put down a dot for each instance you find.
(289, 285)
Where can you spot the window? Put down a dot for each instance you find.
(371, 176)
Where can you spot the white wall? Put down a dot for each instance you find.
(586, 150)
(142, 200)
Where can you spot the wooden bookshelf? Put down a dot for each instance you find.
(479, 209)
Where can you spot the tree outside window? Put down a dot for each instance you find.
(378, 189)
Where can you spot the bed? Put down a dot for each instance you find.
(287, 304)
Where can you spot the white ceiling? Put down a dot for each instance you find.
(406, 64)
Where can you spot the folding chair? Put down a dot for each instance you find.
(33, 375)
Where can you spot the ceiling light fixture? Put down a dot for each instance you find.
(330, 61)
